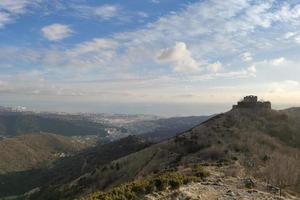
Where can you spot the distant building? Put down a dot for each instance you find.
(251, 102)
(250, 98)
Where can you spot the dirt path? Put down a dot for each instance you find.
(220, 187)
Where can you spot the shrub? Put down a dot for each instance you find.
(249, 183)
(213, 153)
(174, 184)
(158, 182)
(200, 172)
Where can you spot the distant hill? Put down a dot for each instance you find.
(254, 139)
(32, 151)
(18, 123)
(69, 168)
(169, 127)
(109, 127)
(151, 127)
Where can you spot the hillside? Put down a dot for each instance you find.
(169, 127)
(35, 150)
(106, 127)
(87, 161)
(153, 128)
(256, 139)
(67, 169)
(18, 123)
(221, 184)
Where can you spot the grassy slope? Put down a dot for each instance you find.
(69, 169)
(23, 159)
(12, 124)
(33, 150)
(167, 128)
(244, 135)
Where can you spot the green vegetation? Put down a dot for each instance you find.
(35, 150)
(13, 124)
(24, 159)
(241, 135)
(83, 170)
(199, 171)
(167, 180)
(247, 137)
(283, 125)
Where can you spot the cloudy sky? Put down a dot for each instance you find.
(170, 57)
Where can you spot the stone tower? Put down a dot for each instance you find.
(251, 102)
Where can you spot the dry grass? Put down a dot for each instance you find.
(34, 150)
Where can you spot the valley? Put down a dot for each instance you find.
(149, 100)
(261, 146)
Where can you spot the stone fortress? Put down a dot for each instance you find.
(252, 103)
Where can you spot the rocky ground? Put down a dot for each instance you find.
(220, 186)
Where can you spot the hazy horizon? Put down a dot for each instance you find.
(158, 109)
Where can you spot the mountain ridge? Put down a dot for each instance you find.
(14, 123)
(222, 138)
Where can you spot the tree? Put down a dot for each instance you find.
(283, 171)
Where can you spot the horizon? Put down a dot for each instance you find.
(160, 110)
(84, 55)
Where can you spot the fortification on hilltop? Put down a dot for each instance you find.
(251, 102)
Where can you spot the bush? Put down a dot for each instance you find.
(200, 172)
(174, 184)
(158, 182)
(213, 153)
(249, 183)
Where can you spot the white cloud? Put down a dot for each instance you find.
(179, 57)
(212, 30)
(95, 45)
(104, 12)
(278, 61)
(216, 67)
(16, 6)
(95, 53)
(289, 35)
(237, 74)
(252, 69)
(291, 83)
(284, 86)
(243, 73)
(297, 39)
(56, 32)
(142, 14)
(11, 9)
(155, 1)
(247, 56)
(4, 19)
(293, 36)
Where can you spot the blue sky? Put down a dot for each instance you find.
(88, 55)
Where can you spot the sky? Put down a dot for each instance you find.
(166, 57)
